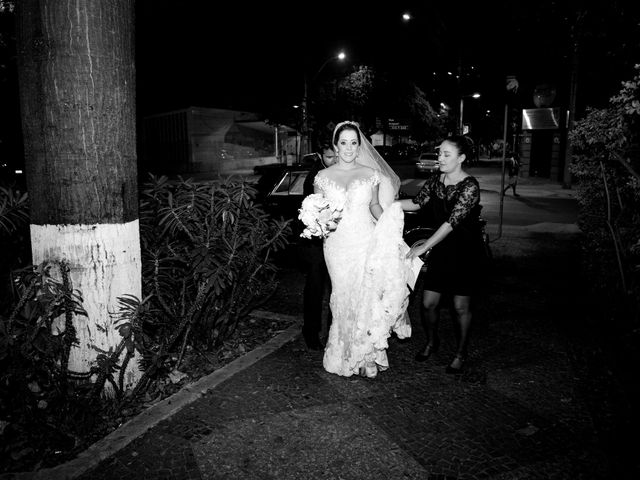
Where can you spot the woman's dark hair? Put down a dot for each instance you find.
(462, 143)
(346, 126)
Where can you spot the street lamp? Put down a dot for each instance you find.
(462, 97)
(305, 100)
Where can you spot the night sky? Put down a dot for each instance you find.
(253, 56)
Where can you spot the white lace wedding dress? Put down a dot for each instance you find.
(369, 272)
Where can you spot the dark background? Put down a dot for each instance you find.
(253, 56)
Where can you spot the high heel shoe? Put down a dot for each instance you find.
(368, 370)
(424, 355)
(456, 370)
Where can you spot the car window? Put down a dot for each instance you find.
(297, 186)
(292, 183)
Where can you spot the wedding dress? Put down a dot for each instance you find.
(369, 275)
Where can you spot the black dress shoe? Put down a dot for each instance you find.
(428, 351)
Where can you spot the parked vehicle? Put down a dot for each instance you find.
(283, 194)
(427, 163)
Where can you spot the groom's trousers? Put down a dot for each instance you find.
(317, 282)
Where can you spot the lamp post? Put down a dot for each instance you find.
(460, 122)
(305, 100)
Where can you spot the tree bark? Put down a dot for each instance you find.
(77, 97)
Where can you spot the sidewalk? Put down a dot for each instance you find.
(521, 411)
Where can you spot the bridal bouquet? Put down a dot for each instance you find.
(319, 216)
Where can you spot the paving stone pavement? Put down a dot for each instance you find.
(517, 412)
(523, 409)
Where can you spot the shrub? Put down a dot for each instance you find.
(606, 163)
(207, 262)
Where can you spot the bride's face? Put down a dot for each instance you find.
(347, 146)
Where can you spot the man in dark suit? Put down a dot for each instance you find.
(317, 276)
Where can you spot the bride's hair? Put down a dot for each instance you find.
(346, 126)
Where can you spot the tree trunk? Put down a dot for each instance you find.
(77, 98)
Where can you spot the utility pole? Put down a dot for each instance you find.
(305, 119)
(511, 88)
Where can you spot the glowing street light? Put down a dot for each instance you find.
(462, 97)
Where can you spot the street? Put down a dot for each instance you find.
(542, 204)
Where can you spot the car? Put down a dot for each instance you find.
(281, 191)
(427, 163)
(281, 196)
(285, 193)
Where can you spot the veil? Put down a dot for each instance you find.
(369, 156)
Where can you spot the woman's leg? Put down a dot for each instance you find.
(461, 305)
(430, 317)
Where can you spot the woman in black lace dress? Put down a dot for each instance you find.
(455, 250)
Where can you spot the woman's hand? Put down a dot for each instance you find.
(418, 249)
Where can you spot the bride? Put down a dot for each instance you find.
(365, 257)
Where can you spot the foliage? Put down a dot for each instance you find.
(357, 87)
(606, 164)
(14, 235)
(426, 124)
(41, 407)
(207, 261)
(13, 210)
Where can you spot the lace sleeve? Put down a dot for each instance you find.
(375, 178)
(468, 198)
(422, 198)
(320, 181)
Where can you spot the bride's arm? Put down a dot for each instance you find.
(407, 205)
(374, 205)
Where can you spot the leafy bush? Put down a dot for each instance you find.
(207, 262)
(41, 407)
(606, 163)
(14, 238)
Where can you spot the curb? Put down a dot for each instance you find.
(140, 424)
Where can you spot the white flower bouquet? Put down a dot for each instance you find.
(319, 216)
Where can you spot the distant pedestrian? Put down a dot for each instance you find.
(514, 172)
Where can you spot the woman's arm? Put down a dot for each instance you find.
(417, 202)
(439, 235)
(467, 199)
(374, 205)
